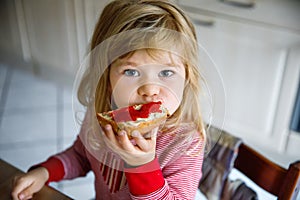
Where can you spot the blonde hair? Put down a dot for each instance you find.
(164, 20)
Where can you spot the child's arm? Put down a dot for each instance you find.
(180, 179)
(146, 180)
(69, 164)
(53, 169)
(26, 185)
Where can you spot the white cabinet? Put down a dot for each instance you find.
(51, 35)
(278, 14)
(51, 47)
(259, 60)
(10, 43)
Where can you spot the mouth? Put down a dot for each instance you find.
(145, 102)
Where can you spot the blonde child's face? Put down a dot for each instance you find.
(141, 78)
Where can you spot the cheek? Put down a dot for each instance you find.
(117, 88)
(173, 95)
(122, 90)
(172, 105)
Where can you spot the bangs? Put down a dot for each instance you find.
(154, 41)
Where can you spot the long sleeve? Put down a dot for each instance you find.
(145, 179)
(68, 164)
(54, 167)
(74, 160)
(180, 179)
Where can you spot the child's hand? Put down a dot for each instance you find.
(135, 152)
(26, 185)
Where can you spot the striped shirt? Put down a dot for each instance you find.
(173, 174)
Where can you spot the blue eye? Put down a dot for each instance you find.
(166, 73)
(131, 72)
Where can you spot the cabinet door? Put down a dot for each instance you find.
(252, 62)
(12, 50)
(50, 29)
(87, 13)
(55, 34)
(279, 14)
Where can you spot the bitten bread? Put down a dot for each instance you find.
(141, 117)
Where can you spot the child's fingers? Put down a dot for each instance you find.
(110, 135)
(141, 142)
(145, 144)
(22, 195)
(116, 142)
(19, 184)
(26, 185)
(124, 141)
(29, 197)
(27, 193)
(151, 134)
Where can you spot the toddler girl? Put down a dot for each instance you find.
(141, 51)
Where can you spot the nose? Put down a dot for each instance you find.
(149, 91)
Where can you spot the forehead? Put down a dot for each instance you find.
(152, 56)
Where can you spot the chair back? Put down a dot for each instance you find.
(230, 152)
(281, 182)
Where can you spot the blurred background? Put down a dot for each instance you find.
(255, 45)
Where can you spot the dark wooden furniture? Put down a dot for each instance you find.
(8, 172)
(281, 182)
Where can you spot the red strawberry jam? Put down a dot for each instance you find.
(131, 113)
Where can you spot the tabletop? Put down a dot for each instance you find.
(8, 172)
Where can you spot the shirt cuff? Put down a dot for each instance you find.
(54, 167)
(145, 179)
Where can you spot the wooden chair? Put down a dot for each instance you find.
(281, 182)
